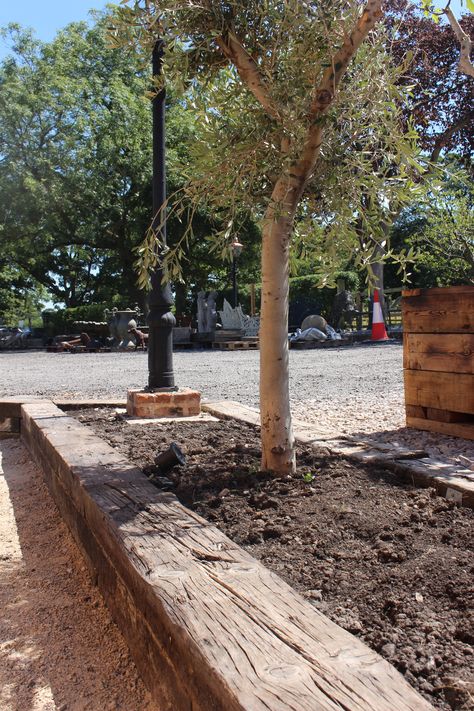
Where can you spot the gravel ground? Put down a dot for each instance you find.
(349, 390)
(330, 378)
(60, 649)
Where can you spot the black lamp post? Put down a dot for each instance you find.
(160, 300)
(236, 248)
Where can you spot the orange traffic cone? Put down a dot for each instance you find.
(378, 327)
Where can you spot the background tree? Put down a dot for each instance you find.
(441, 230)
(75, 170)
(21, 299)
(438, 106)
(74, 141)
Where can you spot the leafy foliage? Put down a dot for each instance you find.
(20, 297)
(75, 173)
(247, 137)
(438, 104)
(74, 129)
(441, 232)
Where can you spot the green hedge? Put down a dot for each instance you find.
(62, 320)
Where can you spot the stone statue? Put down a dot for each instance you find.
(235, 319)
(344, 310)
(231, 319)
(207, 314)
(120, 323)
(202, 312)
(211, 311)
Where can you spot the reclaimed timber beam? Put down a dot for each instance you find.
(439, 310)
(209, 627)
(442, 391)
(448, 353)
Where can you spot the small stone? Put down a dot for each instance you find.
(388, 650)
(419, 597)
(223, 493)
(429, 666)
(353, 626)
(314, 594)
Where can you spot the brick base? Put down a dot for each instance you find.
(180, 403)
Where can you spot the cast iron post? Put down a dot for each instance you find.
(234, 280)
(236, 249)
(160, 300)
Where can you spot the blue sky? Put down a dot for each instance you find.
(48, 16)
(45, 17)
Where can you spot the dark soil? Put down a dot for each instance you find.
(391, 563)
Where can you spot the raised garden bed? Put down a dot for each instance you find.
(391, 563)
(209, 627)
(438, 359)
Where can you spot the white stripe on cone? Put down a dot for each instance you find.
(378, 315)
(378, 326)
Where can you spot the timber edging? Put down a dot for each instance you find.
(209, 627)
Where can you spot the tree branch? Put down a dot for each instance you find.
(249, 72)
(465, 65)
(443, 138)
(324, 93)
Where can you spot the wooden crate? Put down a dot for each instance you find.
(438, 359)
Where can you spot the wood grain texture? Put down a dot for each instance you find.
(448, 310)
(453, 429)
(209, 626)
(448, 353)
(443, 391)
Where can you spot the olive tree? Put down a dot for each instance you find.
(295, 99)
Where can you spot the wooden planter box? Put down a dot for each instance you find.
(438, 360)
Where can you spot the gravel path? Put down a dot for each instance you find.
(332, 377)
(351, 390)
(60, 650)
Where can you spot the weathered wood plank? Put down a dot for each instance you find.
(415, 411)
(228, 409)
(435, 415)
(439, 311)
(11, 406)
(454, 429)
(432, 413)
(448, 353)
(209, 626)
(443, 391)
(438, 290)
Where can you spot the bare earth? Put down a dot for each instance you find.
(59, 648)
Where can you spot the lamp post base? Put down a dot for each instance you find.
(182, 402)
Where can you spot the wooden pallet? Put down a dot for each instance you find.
(309, 345)
(235, 345)
(183, 345)
(449, 422)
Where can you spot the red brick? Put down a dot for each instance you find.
(182, 403)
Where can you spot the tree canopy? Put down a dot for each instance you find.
(75, 169)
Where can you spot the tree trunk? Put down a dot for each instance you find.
(277, 435)
(378, 270)
(180, 300)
